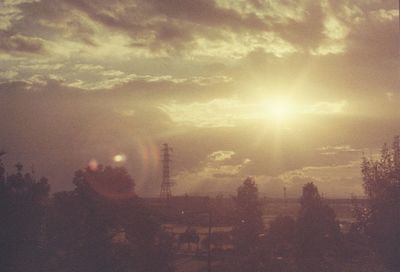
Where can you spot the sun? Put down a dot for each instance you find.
(279, 109)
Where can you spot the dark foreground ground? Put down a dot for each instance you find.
(181, 213)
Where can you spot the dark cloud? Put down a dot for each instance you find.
(204, 12)
(21, 44)
(173, 27)
(306, 33)
(375, 38)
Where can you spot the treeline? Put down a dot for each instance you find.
(313, 241)
(101, 225)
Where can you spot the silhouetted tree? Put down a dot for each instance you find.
(146, 246)
(278, 245)
(103, 226)
(248, 226)
(22, 211)
(80, 225)
(318, 237)
(380, 221)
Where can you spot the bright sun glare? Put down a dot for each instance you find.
(279, 109)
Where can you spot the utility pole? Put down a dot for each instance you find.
(33, 173)
(209, 241)
(166, 182)
(284, 197)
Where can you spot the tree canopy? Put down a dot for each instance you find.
(23, 201)
(318, 233)
(381, 219)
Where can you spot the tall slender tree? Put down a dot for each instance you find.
(248, 226)
(318, 234)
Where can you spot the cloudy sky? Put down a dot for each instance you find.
(286, 91)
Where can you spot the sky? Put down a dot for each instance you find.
(285, 91)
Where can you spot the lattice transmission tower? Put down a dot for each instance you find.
(166, 183)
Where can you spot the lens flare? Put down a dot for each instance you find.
(93, 164)
(119, 158)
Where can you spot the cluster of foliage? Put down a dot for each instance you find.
(319, 241)
(95, 227)
(101, 225)
(22, 213)
(248, 227)
(311, 243)
(380, 220)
